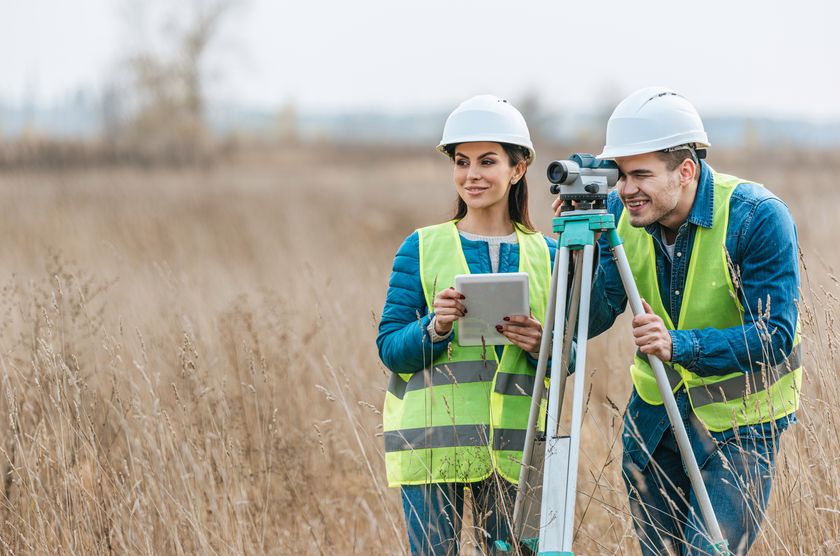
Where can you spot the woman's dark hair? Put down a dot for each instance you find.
(518, 194)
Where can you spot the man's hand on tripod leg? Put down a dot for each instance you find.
(650, 334)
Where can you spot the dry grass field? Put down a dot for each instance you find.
(188, 363)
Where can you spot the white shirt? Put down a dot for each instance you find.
(494, 244)
(669, 248)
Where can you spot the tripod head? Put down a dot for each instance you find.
(583, 179)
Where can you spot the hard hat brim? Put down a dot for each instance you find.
(610, 153)
(510, 140)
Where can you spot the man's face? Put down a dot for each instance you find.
(647, 189)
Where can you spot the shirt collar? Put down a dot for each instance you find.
(702, 210)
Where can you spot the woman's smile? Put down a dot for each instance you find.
(475, 190)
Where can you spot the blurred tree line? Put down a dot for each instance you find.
(158, 112)
(153, 107)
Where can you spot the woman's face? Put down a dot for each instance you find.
(483, 174)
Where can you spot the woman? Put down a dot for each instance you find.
(455, 417)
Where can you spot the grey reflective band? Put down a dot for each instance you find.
(508, 439)
(674, 377)
(446, 436)
(738, 387)
(514, 385)
(453, 436)
(459, 372)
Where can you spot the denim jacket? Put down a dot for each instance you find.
(762, 244)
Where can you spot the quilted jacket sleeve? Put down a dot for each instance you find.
(403, 342)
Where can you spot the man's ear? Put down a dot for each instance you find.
(687, 169)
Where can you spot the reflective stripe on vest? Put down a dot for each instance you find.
(710, 300)
(462, 372)
(464, 416)
(744, 384)
(452, 436)
(455, 372)
(735, 387)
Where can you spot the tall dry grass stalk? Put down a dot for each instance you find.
(188, 361)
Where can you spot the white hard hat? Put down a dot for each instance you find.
(653, 119)
(486, 118)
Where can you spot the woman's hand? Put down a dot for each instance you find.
(525, 332)
(448, 308)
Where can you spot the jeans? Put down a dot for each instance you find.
(434, 512)
(738, 474)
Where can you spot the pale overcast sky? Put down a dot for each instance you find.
(751, 57)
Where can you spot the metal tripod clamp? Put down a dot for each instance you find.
(578, 230)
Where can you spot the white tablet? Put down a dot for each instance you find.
(489, 299)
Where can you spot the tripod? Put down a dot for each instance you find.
(552, 529)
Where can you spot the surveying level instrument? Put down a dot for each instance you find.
(543, 517)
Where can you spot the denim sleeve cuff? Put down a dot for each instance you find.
(685, 349)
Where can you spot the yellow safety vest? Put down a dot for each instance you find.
(730, 399)
(467, 413)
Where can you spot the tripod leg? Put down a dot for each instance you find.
(536, 399)
(577, 399)
(574, 303)
(697, 484)
(561, 457)
(530, 476)
(554, 400)
(555, 460)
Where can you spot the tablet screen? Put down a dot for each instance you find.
(489, 299)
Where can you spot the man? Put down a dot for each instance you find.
(715, 260)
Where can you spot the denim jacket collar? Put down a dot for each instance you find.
(702, 211)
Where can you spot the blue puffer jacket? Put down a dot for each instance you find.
(403, 340)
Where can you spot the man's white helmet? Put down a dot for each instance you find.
(486, 118)
(653, 119)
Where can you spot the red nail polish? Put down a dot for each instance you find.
(506, 318)
(499, 328)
